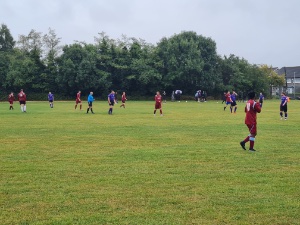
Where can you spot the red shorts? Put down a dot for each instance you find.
(78, 101)
(252, 128)
(11, 102)
(157, 105)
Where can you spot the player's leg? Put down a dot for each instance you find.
(285, 112)
(91, 107)
(24, 107)
(76, 105)
(281, 112)
(242, 143)
(80, 106)
(235, 108)
(88, 109)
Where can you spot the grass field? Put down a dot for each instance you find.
(61, 166)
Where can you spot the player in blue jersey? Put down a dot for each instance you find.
(111, 101)
(283, 106)
(233, 103)
(90, 102)
(261, 99)
(51, 99)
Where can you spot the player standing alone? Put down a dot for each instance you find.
(22, 100)
(283, 106)
(233, 103)
(228, 99)
(158, 99)
(111, 102)
(90, 103)
(51, 99)
(78, 100)
(261, 99)
(11, 99)
(123, 100)
(251, 109)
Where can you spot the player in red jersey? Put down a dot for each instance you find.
(251, 109)
(22, 100)
(158, 100)
(78, 100)
(123, 99)
(11, 99)
(228, 99)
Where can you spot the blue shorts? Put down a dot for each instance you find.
(228, 103)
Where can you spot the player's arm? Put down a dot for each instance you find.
(108, 100)
(257, 107)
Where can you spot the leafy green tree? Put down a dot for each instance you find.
(7, 42)
(188, 62)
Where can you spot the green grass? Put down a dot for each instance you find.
(61, 166)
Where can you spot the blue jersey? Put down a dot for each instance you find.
(50, 97)
(233, 97)
(283, 100)
(90, 98)
(261, 97)
(111, 97)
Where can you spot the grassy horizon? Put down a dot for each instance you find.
(61, 166)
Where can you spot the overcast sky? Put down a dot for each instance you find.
(261, 31)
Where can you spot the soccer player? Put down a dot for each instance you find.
(78, 100)
(228, 100)
(233, 103)
(251, 109)
(165, 97)
(90, 102)
(111, 101)
(11, 99)
(261, 99)
(51, 99)
(158, 103)
(22, 100)
(123, 100)
(283, 106)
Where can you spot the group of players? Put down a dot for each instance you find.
(111, 99)
(252, 108)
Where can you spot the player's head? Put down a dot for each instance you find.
(283, 93)
(251, 95)
(91, 93)
(158, 93)
(49, 92)
(79, 92)
(112, 91)
(123, 92)
(11, 93)
(21, 90)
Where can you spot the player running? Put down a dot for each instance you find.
(233, 103)
(261, 99)
(90, 102)
(158, 100)
(78, 100)
(283, 106)
(228, 99)
(123, 100)
(11, 99)
(22, 100)
(251, 109)
(51, 99)
(111, 102)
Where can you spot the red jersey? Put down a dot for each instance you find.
(11, 98)
(228, 97)
(22, 96)
(78, 96)
(158, 98)
(251, 109)
(124, 98)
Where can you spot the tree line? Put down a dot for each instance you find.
(39, 63)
